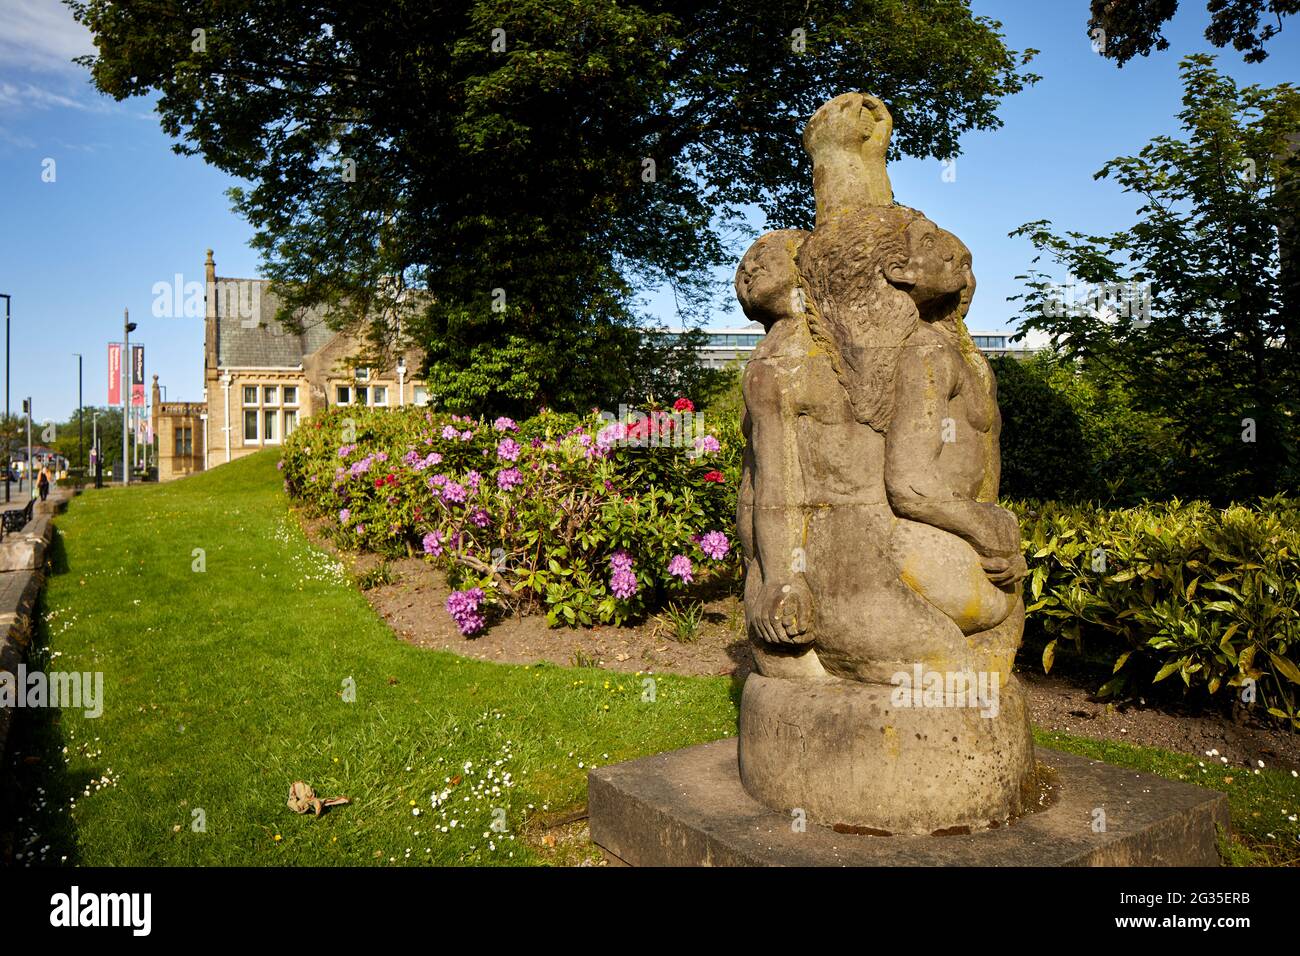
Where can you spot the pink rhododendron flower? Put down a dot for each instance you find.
(463, 606)
(680, 566)
(715, 545)
(509, 478)
(508, 449)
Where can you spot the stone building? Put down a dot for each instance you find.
(261, 380)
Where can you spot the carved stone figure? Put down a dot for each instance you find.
(882, 589)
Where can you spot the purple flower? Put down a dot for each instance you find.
(623, 583)
(448, 432)
(504, 424)
(279, 465)
(680, 566)
(433, 458)
(466, 435)
(480, 518)
(508, 478)
(453, 492)
(361, 467)
(715, 545)
(463, 606)
(345, 450)
(472, 479)
(437, 481)
(412, 459)
(708, 444)
(344, 515)
(433, 543)
(360, 529)
(620, 560)
(508, 449)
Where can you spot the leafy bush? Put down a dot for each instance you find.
(1212, 596)
(594, 520)
(1071, 431)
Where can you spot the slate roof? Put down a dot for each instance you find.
(268, 344)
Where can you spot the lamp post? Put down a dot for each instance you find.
(81, 430)
(127, 328)
(8, 444)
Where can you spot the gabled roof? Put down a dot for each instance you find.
(244, 343)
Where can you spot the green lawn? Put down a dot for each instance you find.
(225, 685)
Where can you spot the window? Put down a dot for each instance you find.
(180, 442)
(270, 433)
(270, 395)
(290, 421)
(250, 426)
(379, 395)
(421, 395)
(361, 395)
(291, 394)
(363, 375)
(189, 440)
(343, 395)
(250, 394)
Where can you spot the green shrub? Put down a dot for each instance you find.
(1211, 596)
(559, 511)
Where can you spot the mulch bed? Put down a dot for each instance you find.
(413, 606)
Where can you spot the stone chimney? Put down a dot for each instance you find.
(210, 314)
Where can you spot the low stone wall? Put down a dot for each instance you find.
(22, 563)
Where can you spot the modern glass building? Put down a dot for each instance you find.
(729, 345)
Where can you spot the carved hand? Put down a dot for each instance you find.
(784, 614)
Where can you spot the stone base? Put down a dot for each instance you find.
(688, 808)
(845, 754)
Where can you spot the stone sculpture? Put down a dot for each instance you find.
(882, 589)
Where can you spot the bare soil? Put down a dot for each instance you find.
(413, 606)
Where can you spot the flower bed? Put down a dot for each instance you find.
(591, 519)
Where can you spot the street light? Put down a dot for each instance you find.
(128, 327)
(81, 430)
(8, 445)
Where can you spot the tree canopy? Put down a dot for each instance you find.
(1132, 27)
(1194, 308)
(533, 165)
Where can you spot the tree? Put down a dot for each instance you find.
(1043, 452)
(530, 164)
(1131, 27)
(1189, 308)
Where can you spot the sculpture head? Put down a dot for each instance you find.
(871, 277)
(767, 280)
(937, 264)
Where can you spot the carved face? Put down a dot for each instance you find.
(938, 263)
(767, 282)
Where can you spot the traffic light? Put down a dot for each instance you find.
(26, 408)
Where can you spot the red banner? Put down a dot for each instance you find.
(114, 373)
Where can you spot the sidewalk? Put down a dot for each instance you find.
(22, 564)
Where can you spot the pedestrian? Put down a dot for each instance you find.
(43, 481)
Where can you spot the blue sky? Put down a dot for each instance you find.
(124, 212)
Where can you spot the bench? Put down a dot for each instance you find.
(15, 519)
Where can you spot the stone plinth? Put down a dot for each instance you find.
(688, 808)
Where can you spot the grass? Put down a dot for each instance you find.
(1264, 804)
(230, 650)
(224, 685)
